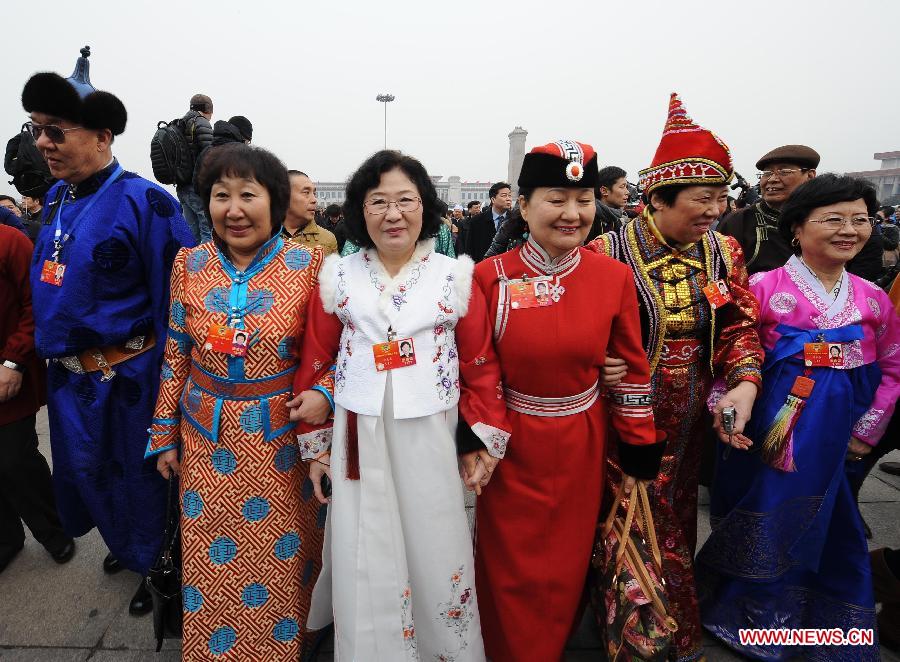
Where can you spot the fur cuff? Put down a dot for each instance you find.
(643, 461)
(462, 274)
(328, 283)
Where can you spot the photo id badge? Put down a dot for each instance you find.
(227, 340)
(52, 273)
(531, 293)
(823, 355)
(394, 354)
(717, 294)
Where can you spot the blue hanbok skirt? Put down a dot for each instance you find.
(787, 549)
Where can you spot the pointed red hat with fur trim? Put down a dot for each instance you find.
(687, 154)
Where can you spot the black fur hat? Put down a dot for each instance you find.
(52, 94)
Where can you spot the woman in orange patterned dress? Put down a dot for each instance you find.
(251, 529)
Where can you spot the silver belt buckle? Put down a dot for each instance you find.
(135, 343)
(72, 364)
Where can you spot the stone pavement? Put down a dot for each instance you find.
(74, 612)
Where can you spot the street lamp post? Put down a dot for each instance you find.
(385, 99)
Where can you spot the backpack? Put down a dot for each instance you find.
(170, 153)
(24, 161)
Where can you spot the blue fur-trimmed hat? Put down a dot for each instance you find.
(75, 98)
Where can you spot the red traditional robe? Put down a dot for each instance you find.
(536, 519)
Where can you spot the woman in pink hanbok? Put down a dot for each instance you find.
(787, 548)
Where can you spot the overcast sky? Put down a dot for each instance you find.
(465, 73)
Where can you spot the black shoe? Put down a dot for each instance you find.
(112, 565)
(64, 554)
(141, 602)
(892, 468)
(9, 555)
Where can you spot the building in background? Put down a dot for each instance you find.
(453, 191)
(886, 179)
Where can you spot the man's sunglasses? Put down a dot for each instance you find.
(54, 133)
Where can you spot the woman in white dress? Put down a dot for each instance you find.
(410, 344)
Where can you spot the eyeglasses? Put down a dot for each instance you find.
(55, 134)
(781, 172)
(837, 222)
(379, 206)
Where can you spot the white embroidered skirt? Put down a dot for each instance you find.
(398, 573)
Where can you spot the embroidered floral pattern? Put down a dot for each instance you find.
(494, 439)
(880, 331)
(481, 360)
(398, 296)
(853, 355)
(889, 351)
(312, 444)
(783, 303)
(343, 313)
(406, 618)
(445, 357)
(868, 423)
(457, 614)
(873, 305)
(849, 315)
(716, 393)
(755, 278)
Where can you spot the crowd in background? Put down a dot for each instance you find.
(317, 380)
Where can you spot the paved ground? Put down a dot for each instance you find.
(73, 613)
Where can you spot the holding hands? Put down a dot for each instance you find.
(477, 468)
(311, 407)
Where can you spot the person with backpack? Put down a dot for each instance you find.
(238, 129)
(199, 135)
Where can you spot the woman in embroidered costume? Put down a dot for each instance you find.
(251, 529)
(788, 548)
(398, 551)
(536, 519)
(691, 331)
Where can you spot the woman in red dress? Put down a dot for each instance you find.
(536, 519)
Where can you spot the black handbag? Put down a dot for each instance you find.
(164, 578)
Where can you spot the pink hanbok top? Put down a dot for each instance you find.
(793, 296)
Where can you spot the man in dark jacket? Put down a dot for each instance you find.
(611, 201)
(755, 227)
(199, 133)
(31, 216)
(26, 491)
(475, 237)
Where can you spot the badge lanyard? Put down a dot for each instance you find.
(58, 239)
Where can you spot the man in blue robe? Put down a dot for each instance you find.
(100, 282)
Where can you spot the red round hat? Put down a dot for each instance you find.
(560, 164)
(687, 154)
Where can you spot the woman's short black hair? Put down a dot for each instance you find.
(247, 161)
(368, 176)
(667, 194)
(827, 189)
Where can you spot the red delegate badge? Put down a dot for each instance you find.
(53, 272)
(394, 354)
(227, 340)
(717, 293)
(823, 355)
(529, 293)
